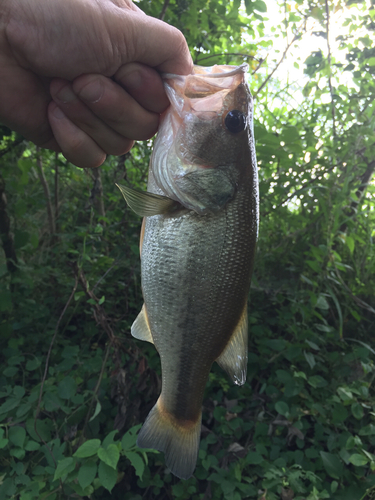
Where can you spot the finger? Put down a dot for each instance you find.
(145, 85)
(75, 144)
(115, 107)
(155, 44)
(77, 112)
(24, 101)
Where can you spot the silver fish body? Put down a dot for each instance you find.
(197, 254)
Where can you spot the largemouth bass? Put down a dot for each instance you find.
(198, 243)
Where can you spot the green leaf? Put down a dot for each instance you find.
(254, 458)
(17, 435)
(64, 466)
(88, 448)
(67, 388)
(350, 243)
(357, 411)
(310, 358)
(358, 460)
(32, 446)
(109, 439)
(282, 408)
(21, 238)
(332, 464)
(129, 439)
(110, 455)
(87, 473)
(317, 381)
(98, 407)
(260, 6)
(322, 303)
(107, 476)
(137, 462)
(3, 442)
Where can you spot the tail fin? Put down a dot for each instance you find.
(179, 440)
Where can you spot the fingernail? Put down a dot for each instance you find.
(58, 113)
(92, 92)
(66, 94)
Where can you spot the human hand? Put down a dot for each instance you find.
(85, 44)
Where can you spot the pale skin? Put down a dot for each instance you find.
(83, 76)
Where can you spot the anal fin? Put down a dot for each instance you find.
(140, 328)
(234, 357)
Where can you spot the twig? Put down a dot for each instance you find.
(96, 389)
(99, 312)
(164, 10)
(105, 274)
(56, 187)
(296, 36)
(329, 72)
(46, 367)
(358, 301)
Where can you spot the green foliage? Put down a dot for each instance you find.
(74, 387)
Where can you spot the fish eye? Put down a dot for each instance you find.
(235, 121)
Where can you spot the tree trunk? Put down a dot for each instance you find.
(5, 232)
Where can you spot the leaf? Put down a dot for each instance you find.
(107, 476)
(282, 408)
(322, 303)
(332, 464)
(350, 243)
(109, 439)
(129, 439)
(64, 466)
(17, 435)
(137, 462)
(110, 455)
(358, 460)
(97, 411)
(254, 458)
(21, 238)
(87, 473)
(88, 448)
(317, 381)
(357, 411)
(67, 388)
(310, 358)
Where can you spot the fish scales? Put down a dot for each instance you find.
(197, 250)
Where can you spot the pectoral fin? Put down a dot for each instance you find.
(141, 328)
(145, 204)
(234, 357)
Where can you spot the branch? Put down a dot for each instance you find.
(329, 74)
(46, 369)
(56, 187)
(5, 231)
(43, 181)
(296, 36)
(164, 10)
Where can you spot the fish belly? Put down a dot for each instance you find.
(196, 272)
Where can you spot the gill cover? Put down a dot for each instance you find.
(200, 143)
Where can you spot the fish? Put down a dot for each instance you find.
(198, 241)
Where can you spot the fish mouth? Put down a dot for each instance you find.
(211, 71)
